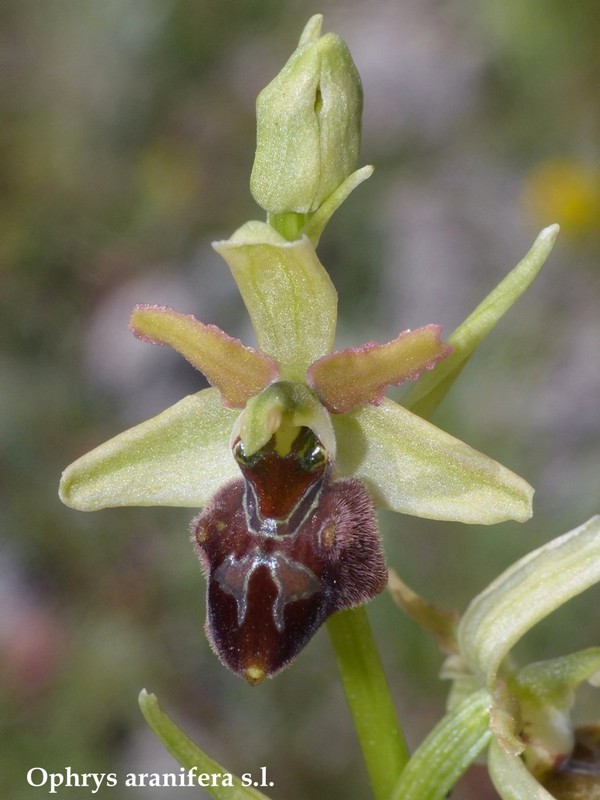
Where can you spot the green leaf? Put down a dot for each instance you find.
(511, 777)
(178, 458)
(525, 593)
(431, 389)
(189, 755)
(447, 751)
(411, 466)
(290, 298)
(238, 372)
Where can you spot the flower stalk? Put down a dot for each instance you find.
(369, 699)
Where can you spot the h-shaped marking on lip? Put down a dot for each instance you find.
(293, 581)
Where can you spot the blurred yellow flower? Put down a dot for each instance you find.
(566, 190)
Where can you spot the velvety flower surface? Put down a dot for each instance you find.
(287, 453)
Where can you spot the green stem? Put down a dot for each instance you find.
(369, 699)
(289, 224)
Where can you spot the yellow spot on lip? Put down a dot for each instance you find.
(329, 537)
(254, 674)
(201, 534)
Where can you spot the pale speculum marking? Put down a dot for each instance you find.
(292, 580)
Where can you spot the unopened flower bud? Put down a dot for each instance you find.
(308, 125)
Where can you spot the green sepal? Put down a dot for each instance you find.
(546, 694)
(189, 755)
(431, 389)
(412, 467)
(554, 681)
(289, 295)
(178, 458)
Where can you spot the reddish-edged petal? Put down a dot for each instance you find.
(354, 377)
(238, 372)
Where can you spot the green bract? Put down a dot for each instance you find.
(183, 455)
(524, 713)
(428, 393)
(524, 594)
(531, 713)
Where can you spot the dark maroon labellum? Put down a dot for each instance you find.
(283, 548)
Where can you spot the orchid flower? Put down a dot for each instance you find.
(291, 437)
(295, 444)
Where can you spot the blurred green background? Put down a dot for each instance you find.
(126, 143)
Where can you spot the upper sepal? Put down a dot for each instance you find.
(289, 295)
